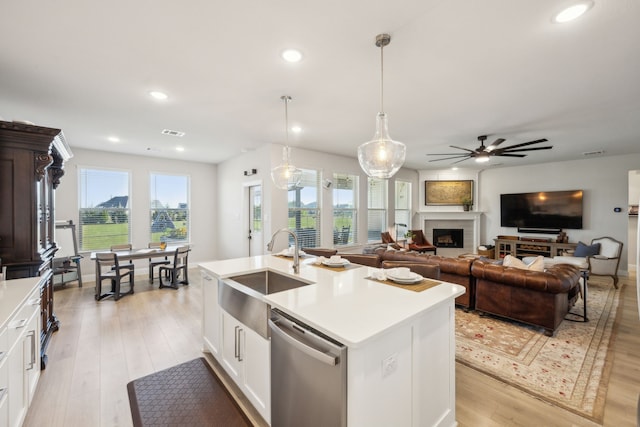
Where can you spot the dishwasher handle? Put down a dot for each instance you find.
(310, 351)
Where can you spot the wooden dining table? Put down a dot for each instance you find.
(136, 254)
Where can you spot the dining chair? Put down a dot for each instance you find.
(109, 268)
(153, 263)
(179, 266)
(123, 247)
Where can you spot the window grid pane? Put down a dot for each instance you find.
(345, 212)
(169, 208)
(377, 212)
(104, 218)
(403, 204)
(304, 211)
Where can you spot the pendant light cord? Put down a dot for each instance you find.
(382, 78)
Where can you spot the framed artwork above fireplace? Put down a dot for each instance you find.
(442, 193)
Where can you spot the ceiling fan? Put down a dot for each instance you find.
(482, 153)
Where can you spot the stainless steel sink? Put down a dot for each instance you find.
(241, 296)
(268, 282)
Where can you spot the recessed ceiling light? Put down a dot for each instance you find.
(292, 55)
(573, 12)
(158, 95)
(179, 148)
(296, 129)
(455, 168)
(113, 139)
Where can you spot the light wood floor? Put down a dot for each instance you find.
(101, 346)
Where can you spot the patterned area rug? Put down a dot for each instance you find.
(570, 370)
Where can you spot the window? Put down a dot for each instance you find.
(403, 206)
(345, 212)
(104, 209)
(304, 211)
(169, 208)
(377, 212)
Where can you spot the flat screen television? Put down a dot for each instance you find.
(544, 210)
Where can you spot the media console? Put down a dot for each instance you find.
(525, 248)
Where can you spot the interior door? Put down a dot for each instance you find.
(255, 220)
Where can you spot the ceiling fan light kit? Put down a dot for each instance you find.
(286, 176)
(381, 157)
(483, 154)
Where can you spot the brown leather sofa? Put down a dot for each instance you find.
(453, 270)
(538, 298)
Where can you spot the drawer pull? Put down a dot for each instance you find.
(34, 301)
(3, 392)
(2, 355)
(32, 362)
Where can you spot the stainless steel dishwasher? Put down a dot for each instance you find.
(308, 375)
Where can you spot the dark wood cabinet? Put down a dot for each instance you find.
(31, 165)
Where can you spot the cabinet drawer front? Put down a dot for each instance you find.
(19, 323)
(4, 343)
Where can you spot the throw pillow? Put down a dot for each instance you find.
(490, 260)
(535, 265)
(583, 250)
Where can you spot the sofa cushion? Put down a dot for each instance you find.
(583, 250)
(536, 265)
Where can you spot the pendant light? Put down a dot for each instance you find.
(381, 157)
(286, 175)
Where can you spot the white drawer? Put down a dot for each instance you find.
(18, 324)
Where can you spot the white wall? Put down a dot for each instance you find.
(604, 181)
(232, 203)
(203, 209)
(634, 199)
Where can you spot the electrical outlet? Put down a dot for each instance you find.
(389, 365)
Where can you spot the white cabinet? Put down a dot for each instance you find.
(23, 361)
(244, 354)
(210, 314)
(246, 358)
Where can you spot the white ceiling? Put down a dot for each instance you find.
(455, 69)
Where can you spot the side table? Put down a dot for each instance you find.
(585, 279)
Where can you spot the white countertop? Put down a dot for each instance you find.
(341, 303)
(13, 294)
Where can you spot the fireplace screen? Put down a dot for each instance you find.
(448, 237)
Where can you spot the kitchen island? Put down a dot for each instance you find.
(401, 348)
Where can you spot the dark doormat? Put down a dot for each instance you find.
(189, 394)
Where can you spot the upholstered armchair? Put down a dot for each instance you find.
(601, 257)
(420, 243)
(607, 261)
(387, 239)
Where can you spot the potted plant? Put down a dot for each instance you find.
(467, 202)
(409, 236)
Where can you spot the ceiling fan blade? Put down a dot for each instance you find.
(524, 144)
(449, 158)
(460, 160)
(447, 154)
(526, 149)
(460, 148)
(495, 143)
(511, 155)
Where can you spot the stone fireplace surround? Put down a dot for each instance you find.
(468, 221)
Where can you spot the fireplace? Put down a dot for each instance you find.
(448, 237)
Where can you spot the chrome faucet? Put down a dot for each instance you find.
(296, 256)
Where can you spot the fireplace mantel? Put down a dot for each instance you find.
(473, 216)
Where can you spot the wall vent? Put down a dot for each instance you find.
(172, 132)
(593, 153)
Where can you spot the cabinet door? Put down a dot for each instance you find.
(256, 359)
(17, 394)
(231, 346)
(211, 315)
(31, 345)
